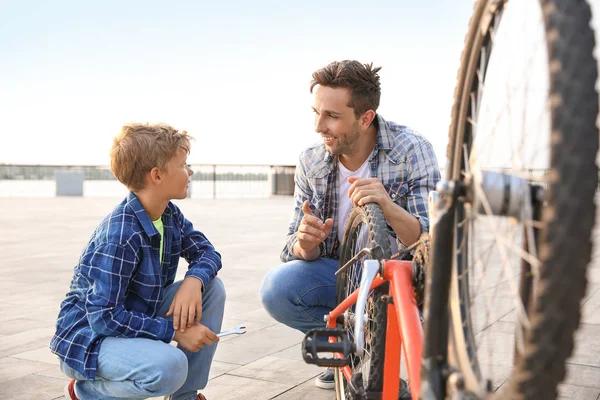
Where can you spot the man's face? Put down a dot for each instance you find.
(335, 121)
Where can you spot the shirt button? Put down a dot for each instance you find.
(393, 195)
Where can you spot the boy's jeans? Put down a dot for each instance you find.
(137, 368)
(300, 293)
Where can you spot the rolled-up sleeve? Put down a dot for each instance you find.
(423, 176)
(204, 261)
(302, 192)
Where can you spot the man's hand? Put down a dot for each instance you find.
(195, 338)
(186, 307)
(369, 190)
(311, 233)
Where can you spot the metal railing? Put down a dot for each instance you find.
(208, 181)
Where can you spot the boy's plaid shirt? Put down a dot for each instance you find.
(118, 283)
(402, 160)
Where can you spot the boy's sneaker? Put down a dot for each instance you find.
(70, 391)
(326, 379)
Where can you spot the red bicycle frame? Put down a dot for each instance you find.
(404, 330)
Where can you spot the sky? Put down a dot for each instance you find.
(234, 74)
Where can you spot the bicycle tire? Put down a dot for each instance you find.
(370, 217)
(565, 248)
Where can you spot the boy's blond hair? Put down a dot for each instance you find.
(140, 147)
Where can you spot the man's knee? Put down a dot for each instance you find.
(266, 288)
(274, 291)
(168, 375)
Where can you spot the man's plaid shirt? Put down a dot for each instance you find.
(402, 160)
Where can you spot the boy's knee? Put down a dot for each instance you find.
(171, 375)
(217, 290)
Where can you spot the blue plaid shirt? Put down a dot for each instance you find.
(402, 160)
(119, 282)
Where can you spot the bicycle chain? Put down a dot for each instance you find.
(420, 263)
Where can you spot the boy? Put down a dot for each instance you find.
(113, 333)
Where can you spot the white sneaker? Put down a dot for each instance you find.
(326, 380)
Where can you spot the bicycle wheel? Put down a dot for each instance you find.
(365, 227)
(523, 123)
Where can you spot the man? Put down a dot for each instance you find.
(362, 159)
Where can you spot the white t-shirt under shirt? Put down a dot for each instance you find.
(344, 203)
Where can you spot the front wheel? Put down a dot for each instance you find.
(523, 124)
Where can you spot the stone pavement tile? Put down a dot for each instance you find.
(594, 274)
(45, 311)
(251, 326)
(509, 317)
(570, 392)
(591, 309)
(255, 345)
(583, 375)
(258, 315)
(233, 308)
(19, 325)
(5, 306)
(279, 370)
(307, 391)
(32, 387)
(228, 387)
(495, 344)
(241, 290)
(591, 312)
(13, 368)
(293, 353)
(497, 373)
(587, 346)
(25, 341)
(486, 310)
(591, 290)
(219, 368)
(53, 372)
(41, 354)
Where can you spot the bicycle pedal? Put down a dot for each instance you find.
(317, 341)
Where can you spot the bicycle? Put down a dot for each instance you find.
(506, 223)
(368, 351)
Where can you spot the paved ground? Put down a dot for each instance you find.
(43, 237)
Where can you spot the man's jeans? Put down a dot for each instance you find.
(300, 293)
(135, 368)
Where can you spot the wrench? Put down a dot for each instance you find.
(238, 330)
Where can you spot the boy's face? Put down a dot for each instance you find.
(177, 176)
(335, 121)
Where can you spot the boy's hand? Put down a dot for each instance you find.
(195, 338)
(311, 232)
(186, 307)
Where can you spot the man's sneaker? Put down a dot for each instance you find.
(70, 391)
(326, 379)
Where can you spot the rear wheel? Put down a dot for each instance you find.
(365, 228)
